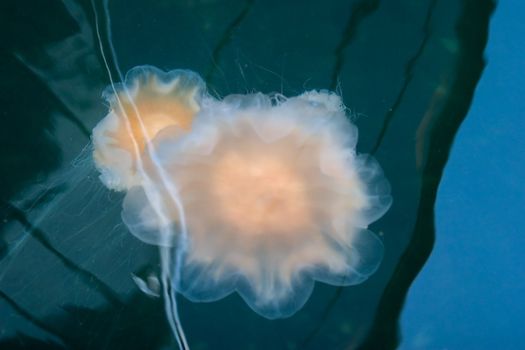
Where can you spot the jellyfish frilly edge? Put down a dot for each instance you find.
(268, 190)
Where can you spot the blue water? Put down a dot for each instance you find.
(470, 293)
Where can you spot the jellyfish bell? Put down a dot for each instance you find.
(273, 194)
(148, 101)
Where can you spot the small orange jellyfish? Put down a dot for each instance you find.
(149, 101)
(267, 191)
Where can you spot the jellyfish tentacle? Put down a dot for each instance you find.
(151, 190)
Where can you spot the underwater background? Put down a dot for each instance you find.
(435, 98)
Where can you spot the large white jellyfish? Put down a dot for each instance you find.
(262, 195)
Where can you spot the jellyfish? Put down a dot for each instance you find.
(262, 195)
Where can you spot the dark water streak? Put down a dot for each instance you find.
(225, 40)
(85, 275)
(409, 73)
(63, 110)
(359, 12)
(32, 319)
(472, 36)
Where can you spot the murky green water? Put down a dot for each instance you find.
(405, 69)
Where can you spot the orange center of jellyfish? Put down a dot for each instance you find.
(156, 112)
(260, 194)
